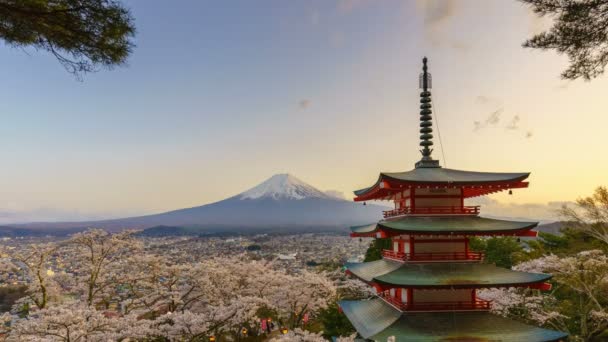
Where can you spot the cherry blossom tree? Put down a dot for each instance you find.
(162, 297)
(582, 283)
(101, 253)
(213, 320)
(5, 323)
(33, 261)
(75, 322)
(590, 214)
(299, 335)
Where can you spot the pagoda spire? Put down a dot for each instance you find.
(426, 130)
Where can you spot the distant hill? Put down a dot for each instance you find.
(551, 228)
(281, 203)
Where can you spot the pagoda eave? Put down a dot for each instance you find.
(445, 226)
(387, 185)
(446, 275)
(376, 320)
(470, 191)
(524, 232)
(537, 285)
(386, 233)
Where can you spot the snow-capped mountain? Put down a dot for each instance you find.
(283, 186)
(282, 202)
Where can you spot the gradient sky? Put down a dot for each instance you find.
(218, 96)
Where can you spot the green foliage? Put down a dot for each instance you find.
(9, 295)
(580, 31)
(504, 251)
(334, 322)
(572, 241)
(81, 34)
(374, 252)
(252, 248)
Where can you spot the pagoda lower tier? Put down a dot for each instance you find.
(444, 225)
(376, 320)
(386, 274)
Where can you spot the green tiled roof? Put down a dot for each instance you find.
(368, 270)
(447, 224)
(441, 275)
(450, 176)
(369, 317)
(376, 320)
(368, 228)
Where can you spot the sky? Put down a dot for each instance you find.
(218, 96)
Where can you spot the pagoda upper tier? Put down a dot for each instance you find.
(471, 183)
(377, 320)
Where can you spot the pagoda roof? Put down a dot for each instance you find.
(439, 176)
(442, 275)
(377, 320)
(441, 225)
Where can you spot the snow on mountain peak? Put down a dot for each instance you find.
(283, 186)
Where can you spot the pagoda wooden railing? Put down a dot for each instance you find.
(476, 305)
(439, 210)
(440, 256)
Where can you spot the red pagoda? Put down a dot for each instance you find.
(427, 283)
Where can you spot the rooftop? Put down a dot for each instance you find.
(474, 183)
(442, 275)
(441, 225)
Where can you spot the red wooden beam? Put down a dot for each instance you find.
(541, 286)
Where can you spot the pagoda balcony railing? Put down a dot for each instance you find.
(432, 257)
(476, 305)
(439, 210)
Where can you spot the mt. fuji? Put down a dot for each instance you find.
(281, 203)
(283, 186)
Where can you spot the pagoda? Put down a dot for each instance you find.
(426, 284)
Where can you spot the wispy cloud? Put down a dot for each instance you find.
(315, 18)
(530, 211)
(303, 104)
(483, 99)
(514, 123)
(335, 194)
(491, 120)
(436, 15)
(347, 6)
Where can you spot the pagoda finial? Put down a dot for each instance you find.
(426, 138)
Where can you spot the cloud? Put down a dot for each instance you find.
(303, 104)
(336, 39)
(11, 216)
(315, 17)
(460, 46)
(335, 194)
(514, 123)
(490, 120)
(347, 6)
(487, 100)
(544, 212)
(436, 14)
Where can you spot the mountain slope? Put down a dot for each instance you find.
(282, 201)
